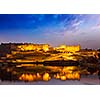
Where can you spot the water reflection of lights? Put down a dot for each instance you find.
(33, 77)
(77, 75)
(46, 77)
(63, 78)
(39, 77)
(67, 76)
(73, 76)
(57, 76)
(30, 78)
(64, 73)
(26, 77)
(71, 68)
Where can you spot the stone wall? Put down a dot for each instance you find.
(65, 48)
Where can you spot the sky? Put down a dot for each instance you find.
(54, 29)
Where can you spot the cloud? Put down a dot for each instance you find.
(78, 23)
(96, 27)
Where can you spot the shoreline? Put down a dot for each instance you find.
(86, 80)
(83, 81)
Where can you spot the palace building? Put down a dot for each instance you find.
(66, 48)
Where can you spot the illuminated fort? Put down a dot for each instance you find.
(30, 48)
(45, 47)
(22, 49)
(65, 48)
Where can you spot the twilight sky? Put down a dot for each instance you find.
(55, 29)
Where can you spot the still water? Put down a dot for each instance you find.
(66, 75)
(83, 81)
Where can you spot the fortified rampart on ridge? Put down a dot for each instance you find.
(13, 48)
(65, 48)
(31, 47)
(8, 48)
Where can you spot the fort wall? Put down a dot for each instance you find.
(67, 48)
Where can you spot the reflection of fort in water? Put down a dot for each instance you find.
(22, 56)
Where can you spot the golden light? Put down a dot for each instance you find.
(54, 76)
(30, 78)
(46, 77)
(25, 47)
(57, 76)
(22, 77)
(34, 76)
(63, 78)
(39, 76)
(77, 76)
(46, 49)
(69, 76)
(26, 77)
(68, 69)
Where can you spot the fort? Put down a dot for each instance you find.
(37, 47)
(41, 51)
(8, 48)
(31, 47)
(66, 48)
(28, 59)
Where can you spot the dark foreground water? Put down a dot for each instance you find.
(85, 80)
